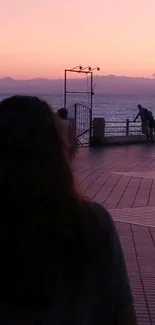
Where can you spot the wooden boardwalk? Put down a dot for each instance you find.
(123, 180)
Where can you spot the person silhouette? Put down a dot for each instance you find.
(151, 122)
(143, 118)
(61, 257)
(68, 131)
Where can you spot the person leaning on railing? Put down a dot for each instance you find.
(143, 118)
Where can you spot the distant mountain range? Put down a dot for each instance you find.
(104, 84)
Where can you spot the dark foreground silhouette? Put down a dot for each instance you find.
(61, 259)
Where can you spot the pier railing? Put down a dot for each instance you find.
(123, 128)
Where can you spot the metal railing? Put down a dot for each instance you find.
(122, 128)
(81, 114)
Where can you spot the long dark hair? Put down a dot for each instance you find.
(45, 238)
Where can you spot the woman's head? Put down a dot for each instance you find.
(39, 202)
(32, 149)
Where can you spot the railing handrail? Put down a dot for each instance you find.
(126, 127)
(136, 122)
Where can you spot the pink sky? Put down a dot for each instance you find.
(40, 38)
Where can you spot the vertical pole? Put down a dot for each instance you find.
(65, 90)
(91, 105)
(127, 127)
(75, 111)
(91, 89)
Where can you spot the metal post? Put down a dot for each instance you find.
(75, 110)
(91, 106)
(65, 90)
(127, 127)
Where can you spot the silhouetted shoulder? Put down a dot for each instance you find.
(104, 219)
(113, 262)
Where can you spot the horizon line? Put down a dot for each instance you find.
(95, 75)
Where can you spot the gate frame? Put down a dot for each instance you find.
(90, 123)
(86, 70)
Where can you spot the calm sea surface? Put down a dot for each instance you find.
(111, 107)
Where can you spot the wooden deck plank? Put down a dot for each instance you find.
(141, 216)
(151, 201)
(137, 280)
(145, 250)
(82, 176)
(97, 185)
(126, 201)
(107, 188)
(143, 193)
(150, 165)
(114, 198)
(152, 233)
(90, 179)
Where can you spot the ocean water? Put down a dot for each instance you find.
(111, 107)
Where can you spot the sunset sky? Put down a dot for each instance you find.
(40, 38)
